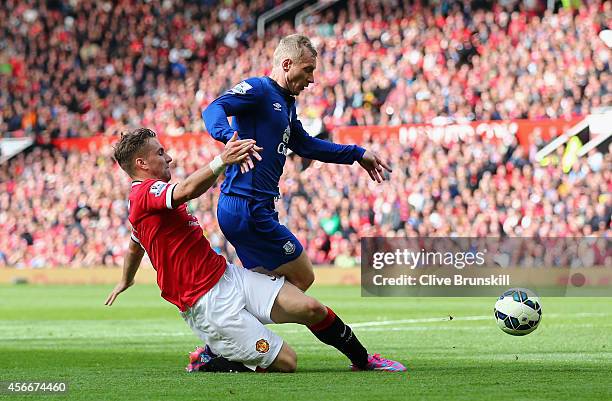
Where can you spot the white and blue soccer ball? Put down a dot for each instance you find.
(518, 311)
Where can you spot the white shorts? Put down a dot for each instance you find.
(230, 317)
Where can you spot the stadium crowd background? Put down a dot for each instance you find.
(96, 68)
(99, 68)
(57, 210)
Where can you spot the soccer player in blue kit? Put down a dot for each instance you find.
(263, 109)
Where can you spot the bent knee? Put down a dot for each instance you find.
(289, 366)
(313, 311)
(286, 361)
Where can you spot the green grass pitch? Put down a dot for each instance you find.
(137, 349)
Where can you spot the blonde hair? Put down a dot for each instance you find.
(292, 47)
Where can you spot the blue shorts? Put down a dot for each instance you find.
(253, 229)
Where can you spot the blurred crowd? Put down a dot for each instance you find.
(70, 69)
(71, 208)
(83, 68)
(386, 64)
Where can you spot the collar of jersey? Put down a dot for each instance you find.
(136, 182)
(282, 90)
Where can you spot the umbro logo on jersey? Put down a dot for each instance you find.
(277, 106)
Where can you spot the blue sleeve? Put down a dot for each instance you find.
(243, 97)
(313, 148)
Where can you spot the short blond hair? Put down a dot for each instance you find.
(292, 47)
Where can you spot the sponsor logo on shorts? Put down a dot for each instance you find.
(262, 346)
(289, 247)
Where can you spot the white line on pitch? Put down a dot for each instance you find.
(364, 326)
(461, 318)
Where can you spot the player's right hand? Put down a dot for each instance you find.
(241, 151)
(374, 165)
(119, 288)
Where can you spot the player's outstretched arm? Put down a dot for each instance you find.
(130, 267)
(314, 148)
(374, 165)
(236, 151)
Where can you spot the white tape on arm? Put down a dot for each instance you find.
(216, 165)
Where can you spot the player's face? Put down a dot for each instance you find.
(157, 160)
(301, 73)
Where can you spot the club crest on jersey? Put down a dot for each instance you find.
(157, 188)
(289, 247)
(277, 106)
(241, 89)
(262, 346)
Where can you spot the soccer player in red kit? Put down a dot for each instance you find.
(226, 306)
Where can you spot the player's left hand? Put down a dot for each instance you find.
(248, 164)
(374, 166)
(119, 288)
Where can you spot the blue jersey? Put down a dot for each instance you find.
(264, 111)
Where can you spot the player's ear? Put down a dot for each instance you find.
(287, 64)
(140, 163)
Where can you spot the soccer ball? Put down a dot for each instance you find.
(518, 311)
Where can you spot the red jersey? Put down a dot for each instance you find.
(186, 265)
